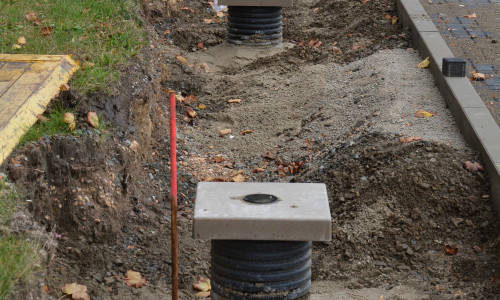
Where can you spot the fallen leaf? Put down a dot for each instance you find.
(225, 132)
(14, 161)
(187, 8)
(476, 76)
(473, 167)
(268, 156)
(202, 106)
(190, 112)
(387, 17)
(42, 118)
(220, 14)
(394, 20)
(471, 16)
(246, 131)
(318, 44)
(336, 50)
(180, 98)
(93, 119)
(134, 145)
(258, 170)
(423, 114)
(190, 98)
(69, 119)
(181, 59)
(77, 291)
(64, 87)
(410, 139)
(200, 45)
(218, 159)
(205, 67)
(302, 43)
(134, 279)
(31, 16)
(16, 46)
(47, 30)
(424, 64)
(450, 250)
(234, 101)
(21, 40)
(208, 21)
(238, 178)
(203, 285)
(315, 10)
(312, 42)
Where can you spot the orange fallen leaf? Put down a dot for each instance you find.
(190, 98)
(187, 8)
(410, 139)
(47, 30)
(200, 45)
(208, 21)
(476, 76)
(336, 50)
(220, 14)
(471, 16)
(258, 170)
(312, 42)
(387, 17)
(234, 101)
(246, 131)
(190, 112)
(225, 132)
(450, 250)
(93, 119)
(315, 10)
(473, 167)
(423, 114)
(318, 44)
(134, 279)
(77, 291)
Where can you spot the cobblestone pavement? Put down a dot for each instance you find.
(473, 38)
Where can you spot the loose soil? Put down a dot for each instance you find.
(307, 115)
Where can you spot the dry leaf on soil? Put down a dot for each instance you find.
(200, 45)
(190, 98)
(69, 119)
(47, 30)
(246, 131)
(203, 285)
(202, 106)
(336, 50)
(423, 114)
(190, 112)
(394, 20)
(473, 167)
(476, 76)
(238, 178)
(234, 101)
(424, 64)
(410, 139)
(93, 119)
(450, 250)
(258, 170)
(77, 291)
(471, 16)
(225, 131)
(134, 279)
(181, 59)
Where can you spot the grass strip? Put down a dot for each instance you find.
(101, 34)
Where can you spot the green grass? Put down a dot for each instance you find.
(101, 34)
(19, 256)
(52, 126)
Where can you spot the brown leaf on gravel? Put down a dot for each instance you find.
(203, 285)
(234, 101)
(77, 291)
(473, 167)
(450, 250)
(187, 8)
(202, 106)
(47, 30)
(225, 132)
(410, 139)
(258, 170)
(318, 44)
(181, 59)
(476, 76)
(207, 21)
(471, 16)
(200, 46)
(218, 159)
(190, 98)
(336, 50)
(134, 279)
(312, 42)
(246, 131)
(315, 10)
(269, 156)
(190, 112)
(238, 178)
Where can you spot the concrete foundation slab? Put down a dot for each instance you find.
(301, 212)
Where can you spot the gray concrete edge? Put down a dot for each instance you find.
(479, 128)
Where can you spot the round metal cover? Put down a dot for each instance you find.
(260, 198)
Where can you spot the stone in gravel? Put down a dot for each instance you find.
(98, 277)
(432, 223)
(118, 262)
(381, 264)
(409, 251)
(456, 221)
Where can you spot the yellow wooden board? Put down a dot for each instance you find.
(27, 84)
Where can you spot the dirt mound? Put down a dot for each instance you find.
(394, 208)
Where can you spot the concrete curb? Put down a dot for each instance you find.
(472, 116)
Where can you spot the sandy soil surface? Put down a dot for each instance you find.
(397, 187)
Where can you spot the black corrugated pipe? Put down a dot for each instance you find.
(260, 270)
(255, 26)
